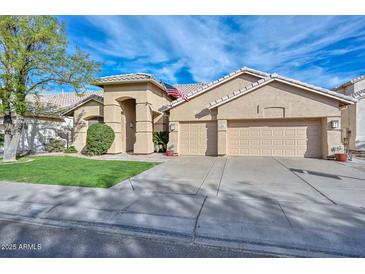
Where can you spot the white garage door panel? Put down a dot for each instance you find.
(198, 138)
(275, 138)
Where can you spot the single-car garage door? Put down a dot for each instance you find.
(198, 138)
(292, 138)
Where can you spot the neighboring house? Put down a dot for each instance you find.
(46, 120)
(353, 117)
(247, 112)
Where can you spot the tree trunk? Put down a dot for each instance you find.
(12, 133)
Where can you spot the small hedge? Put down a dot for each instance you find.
(100, 138)
(55, 145)
(70, 149)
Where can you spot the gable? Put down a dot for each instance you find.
(195, 108)
(279, 100)
(90, 107)
(243, 71)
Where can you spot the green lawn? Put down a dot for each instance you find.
(72, 171)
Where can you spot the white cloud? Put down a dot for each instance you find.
(209, 46)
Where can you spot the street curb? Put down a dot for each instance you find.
(246, 245)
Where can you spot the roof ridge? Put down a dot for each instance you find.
(127, 78)
(272, 77)
(127, 74)
(191, 84)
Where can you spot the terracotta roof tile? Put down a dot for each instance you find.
(63, 99)
(186, 88)
(126, 78)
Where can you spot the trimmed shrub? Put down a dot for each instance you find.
(70, 149)
(100, 138)
(55, 145)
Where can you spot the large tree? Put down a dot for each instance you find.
(34, 56)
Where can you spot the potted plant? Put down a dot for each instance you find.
(340, 154)
(170, 151)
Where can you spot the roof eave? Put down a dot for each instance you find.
(72, 108)
(109, 83)
(222, 102)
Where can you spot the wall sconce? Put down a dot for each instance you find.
(131, 125)
(335, 124)
(172, 127)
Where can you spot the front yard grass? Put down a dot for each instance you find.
(72, 171)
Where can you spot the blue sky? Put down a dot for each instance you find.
(322, 50)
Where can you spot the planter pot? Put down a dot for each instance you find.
(342, 157)
(160, 148)
(169, 153)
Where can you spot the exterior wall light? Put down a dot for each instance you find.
(172, 127)
(335, 124)
(131, 125)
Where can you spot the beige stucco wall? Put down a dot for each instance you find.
(148, 99)
(158, 98)
(331, 138)
(278, 100)
(348, 122)
(353, 117)
(196, 110)
(275, 100)
(88, 110)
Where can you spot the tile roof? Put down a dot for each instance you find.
(142, 77)
(215, 83)
(186, 88)
(277, 77)
(128, 78)
(359, 94)
(63, 99)
(352, 81)
(94, 96)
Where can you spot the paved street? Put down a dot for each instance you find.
(304, 207)
(63, 242)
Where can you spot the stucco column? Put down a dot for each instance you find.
(113, 118)
(222, 137)
(360, 124)
(144, 143)
(331, 137)
(173, 136)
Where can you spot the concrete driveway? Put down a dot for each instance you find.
(277, 179)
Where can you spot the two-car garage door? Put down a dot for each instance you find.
(275, 138)
(290, 138)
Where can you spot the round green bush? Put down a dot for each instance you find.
(100, 137)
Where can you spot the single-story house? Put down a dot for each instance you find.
(44, 120)
(247, 112)
(353, 117)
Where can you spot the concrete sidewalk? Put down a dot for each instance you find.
(285, 227)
